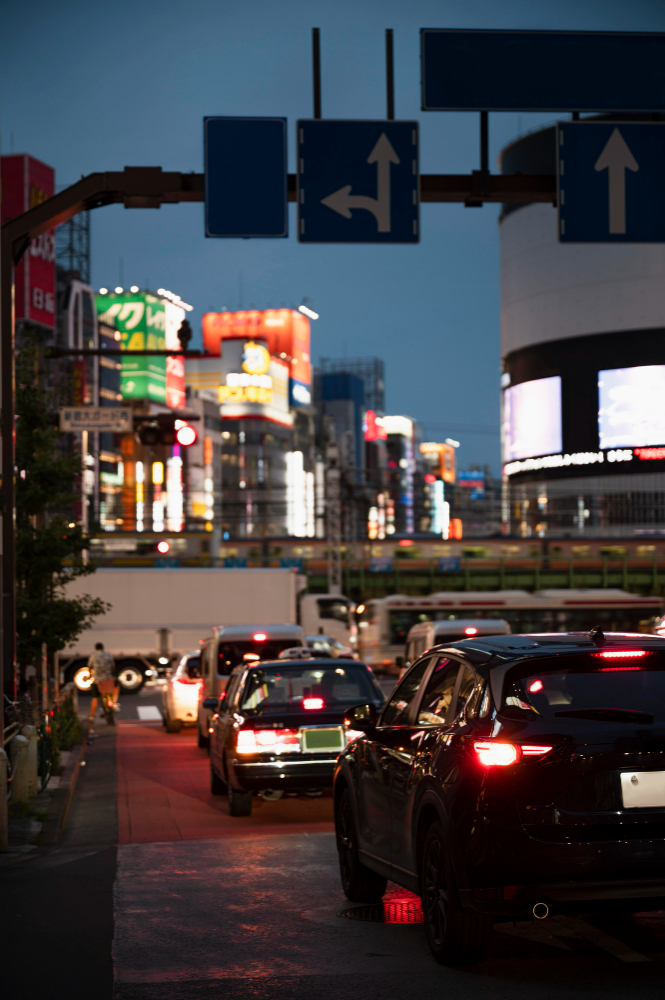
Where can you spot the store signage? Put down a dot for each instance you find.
(26, 183)
(141, 320)
(255, 358)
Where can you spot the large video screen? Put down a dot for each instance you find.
(532, 419)
(631, 406)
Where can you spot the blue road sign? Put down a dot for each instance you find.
(246, 180)
(358, 182)
(610, 180)
(542, 70)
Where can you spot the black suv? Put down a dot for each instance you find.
(510, 777)
(279, 726)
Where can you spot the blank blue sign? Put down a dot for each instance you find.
(246, 180)
(610, 181)
(358, 181)
(542, 70)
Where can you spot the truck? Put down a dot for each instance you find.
(157, 615)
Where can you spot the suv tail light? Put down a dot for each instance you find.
(492, 753)
(268, 741)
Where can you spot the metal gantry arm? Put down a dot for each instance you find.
(151, 187)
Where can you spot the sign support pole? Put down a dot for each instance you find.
(316, 70)
(390, 76)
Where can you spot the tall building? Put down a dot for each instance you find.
(583, 370)
(254, 387)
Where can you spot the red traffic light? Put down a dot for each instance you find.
(163, 547)
(185, 435)
(429, 478)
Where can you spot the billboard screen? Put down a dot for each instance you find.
(26, 183)
(630, 407)
(285, 331)
(532, 419)
(141, 320)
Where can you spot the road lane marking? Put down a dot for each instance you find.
(148, 713)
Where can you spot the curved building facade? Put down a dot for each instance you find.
(583, 384)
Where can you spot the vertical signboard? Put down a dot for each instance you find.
(141, 321)
(175, 366)
(26, 183)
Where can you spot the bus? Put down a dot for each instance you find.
(384, 623)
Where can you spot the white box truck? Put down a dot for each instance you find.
(157, 615)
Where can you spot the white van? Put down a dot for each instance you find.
(424, 635)
(231, 645)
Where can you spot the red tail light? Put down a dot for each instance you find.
(494, 754)
(470, 630)
(187, 680)
(528, 750)
(268, 741)
(259, 637)
(312, 704)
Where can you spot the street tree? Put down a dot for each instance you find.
(49, 545)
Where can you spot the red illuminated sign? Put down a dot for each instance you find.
(285, 331)
(374, 429)
(26, 183)
(649, 453)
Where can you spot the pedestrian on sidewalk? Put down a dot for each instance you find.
(102, 667)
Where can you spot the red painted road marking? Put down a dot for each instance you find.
(164, 794)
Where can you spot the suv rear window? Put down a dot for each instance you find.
(232, 654)
(278, 687)
(600, 686)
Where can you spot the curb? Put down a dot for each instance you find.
(72, 785)
(60, 803)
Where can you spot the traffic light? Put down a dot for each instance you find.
(166, 429)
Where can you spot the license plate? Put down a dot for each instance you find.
(314, 740)
(643, 789)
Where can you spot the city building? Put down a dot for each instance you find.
(583, 371)
(254, 389)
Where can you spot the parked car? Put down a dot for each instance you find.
(231, 646)
(510, 777)
(279, 727)
(180, 694)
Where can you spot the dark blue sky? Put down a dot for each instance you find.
(90, 87)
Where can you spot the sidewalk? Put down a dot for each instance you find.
(56, 922)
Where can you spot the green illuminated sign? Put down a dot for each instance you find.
(141, 322)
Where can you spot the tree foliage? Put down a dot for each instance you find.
(49, 552)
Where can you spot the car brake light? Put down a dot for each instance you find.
(312, 704)
(617, 654)
(470, 630)
(259, 637)
(246, 741)
(535, 687)
(528, 750)
(492, 754)
(604, 670)
(268, 741)
(187, 680)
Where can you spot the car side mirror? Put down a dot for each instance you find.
(361, 718)
(211, 703)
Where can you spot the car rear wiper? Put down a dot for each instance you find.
(608, 715)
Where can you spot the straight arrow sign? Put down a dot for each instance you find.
(616, 158)
(610, 181)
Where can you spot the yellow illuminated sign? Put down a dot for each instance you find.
(255, 358)
(244, 394)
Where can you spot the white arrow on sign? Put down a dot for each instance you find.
(616, 158)
(343, 201)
